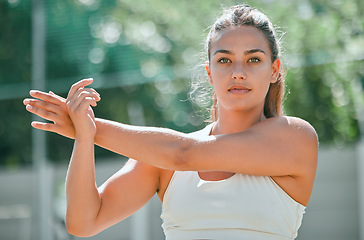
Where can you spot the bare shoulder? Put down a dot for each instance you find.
(296, 136)
(303, 129)
(294, 128)
(300, 124)
(301, 141)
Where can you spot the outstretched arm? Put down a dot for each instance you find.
(275, 147)
(110, 135)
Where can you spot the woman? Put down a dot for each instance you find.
(248, 175)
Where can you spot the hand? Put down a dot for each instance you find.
(53, 108)
(78, 103)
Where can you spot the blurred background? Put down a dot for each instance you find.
(142, 56)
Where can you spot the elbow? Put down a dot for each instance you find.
(79, 232)
(182, 158)
(79, 229)
(76, 231)
(191, 154)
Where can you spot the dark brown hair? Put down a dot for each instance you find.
(243, 15)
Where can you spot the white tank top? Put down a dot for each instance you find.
(236, 208)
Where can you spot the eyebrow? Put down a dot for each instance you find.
(254, 51)
(222, 51)
(251, 51)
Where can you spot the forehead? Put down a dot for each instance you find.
(240, 38)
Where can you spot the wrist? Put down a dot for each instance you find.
(84, 132)
(85, 138)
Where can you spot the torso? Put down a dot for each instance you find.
(240, 207)
(292, 186)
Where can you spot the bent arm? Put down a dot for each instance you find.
(90, 209)
(83, 199)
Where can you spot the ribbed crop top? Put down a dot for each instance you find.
(236, 208)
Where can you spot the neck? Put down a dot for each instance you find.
(232, 122)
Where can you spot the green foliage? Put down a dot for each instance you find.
(141, 53)
(15, 36)
(324, 54)
(15, 134)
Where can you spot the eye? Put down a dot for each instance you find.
(254, 60)
(224, 60)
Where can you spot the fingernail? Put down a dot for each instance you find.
(32, 92)
(28, 107)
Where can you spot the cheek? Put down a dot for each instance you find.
(264, 74)
(262, 80)
(216, 75)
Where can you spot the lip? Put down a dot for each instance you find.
(239, 89)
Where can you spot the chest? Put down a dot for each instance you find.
(250, 200)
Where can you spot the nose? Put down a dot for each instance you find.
(239, 73)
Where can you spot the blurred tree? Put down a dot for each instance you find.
(142, 55)
(15, 35)
(15, 21)
(325, 55)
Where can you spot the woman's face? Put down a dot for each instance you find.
(241, 68)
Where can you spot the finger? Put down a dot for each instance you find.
(92, 93)
(77, 85)
(53, 94)
(79, 96)
(52, 98)
(41, 104)
(42, 113)
(71, 99)
(83, 102)
(50, 127)
(86, 103)
(46, 96)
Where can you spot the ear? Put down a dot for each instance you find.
(276, 66)
(208, 71)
